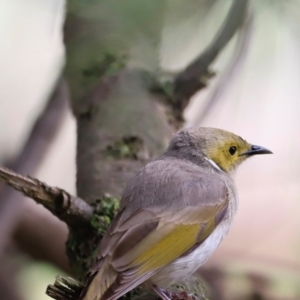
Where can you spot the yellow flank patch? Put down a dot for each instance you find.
(173, 245)
(206, 230)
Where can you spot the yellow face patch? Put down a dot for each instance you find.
(226, 151)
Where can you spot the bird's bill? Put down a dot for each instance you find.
(257, 150)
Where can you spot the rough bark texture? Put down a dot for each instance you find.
(120, 127)
(120, 124)
(70, 209)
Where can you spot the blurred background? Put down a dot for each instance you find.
(255, 93)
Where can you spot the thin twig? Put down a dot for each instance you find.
(195, 76)
(70, 209)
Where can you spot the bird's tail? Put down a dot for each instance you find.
(100, 283)
(67, 288)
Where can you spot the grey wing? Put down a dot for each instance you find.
(151, 198)
(174, 184)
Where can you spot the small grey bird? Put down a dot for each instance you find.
(174, 213)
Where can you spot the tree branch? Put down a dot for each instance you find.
(70, 209)
(195, 76)
(64, 288)
(235, 62)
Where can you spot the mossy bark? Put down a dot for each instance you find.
(121, 123)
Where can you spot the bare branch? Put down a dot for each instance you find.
(194, 77)
(237, 59)
(70, 209)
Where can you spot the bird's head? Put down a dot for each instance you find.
(224, 149)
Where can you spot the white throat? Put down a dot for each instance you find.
(213, 163)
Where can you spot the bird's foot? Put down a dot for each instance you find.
(183, 295)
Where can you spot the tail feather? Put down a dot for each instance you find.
(101, 282)
(108, 284)
(119, 288)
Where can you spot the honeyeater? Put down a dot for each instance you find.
(173, 214)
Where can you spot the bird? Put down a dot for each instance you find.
(173, 214)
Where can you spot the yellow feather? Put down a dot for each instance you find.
(170, 247)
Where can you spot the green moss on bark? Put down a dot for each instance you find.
(82, 244)
(105, 210)
(129, 147)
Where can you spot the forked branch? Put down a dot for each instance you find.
(194, 77)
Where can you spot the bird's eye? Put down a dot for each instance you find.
(232, 150)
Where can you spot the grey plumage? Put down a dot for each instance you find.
(187, 189)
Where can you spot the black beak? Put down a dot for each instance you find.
(257, 150)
